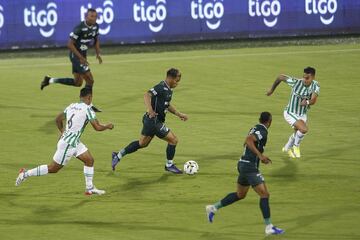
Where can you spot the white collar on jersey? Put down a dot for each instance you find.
(263, 126)
(166, 84)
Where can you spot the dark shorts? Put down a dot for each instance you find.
(77, 67)
(249, 175)
(152, 127)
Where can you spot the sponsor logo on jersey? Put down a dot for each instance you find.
(44, 19)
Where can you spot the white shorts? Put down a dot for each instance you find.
(291, 118)
(64, 152)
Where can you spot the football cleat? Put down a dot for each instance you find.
(272, 230)
(115, 160)
(21, 177)
(45, 82)
(296, 150)
(173, 169)
(94, 190)
(210, 212)
(289, 152)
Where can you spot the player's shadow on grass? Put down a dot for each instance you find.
(48, 127)
(287, 172)
(139, 183)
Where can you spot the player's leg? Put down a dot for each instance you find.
(167, 135)
(288, 148)
(85, 156)
(89, 79)
(147, 134)
(262, 191)
(301, 130)
(63, 154)
(143, 142)
(231, 198)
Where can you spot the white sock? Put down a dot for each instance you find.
(89, 174)
(169, 163)
(290, 142)
(38, 171)
(52, 80)
(298, 138)
(120, 153)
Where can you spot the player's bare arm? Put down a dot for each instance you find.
(250, 143)
(278, 80)
(149, 109)
(182, 116)
(97, 50)
(311, 101)
(59, 122)
(72, 48)
(101, 127)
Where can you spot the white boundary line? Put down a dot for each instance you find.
(152, 59)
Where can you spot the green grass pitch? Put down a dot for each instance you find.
(223, 92)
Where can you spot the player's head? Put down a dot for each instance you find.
(309, 75)
(173, 77)
(86, 95)
(91, 16)
(266, 119)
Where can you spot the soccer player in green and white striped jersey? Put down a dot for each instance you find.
(304, 93)
(77, 116)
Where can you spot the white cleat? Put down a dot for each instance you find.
(272, 230)
(94, 190)
(21, 177)
(210, 212)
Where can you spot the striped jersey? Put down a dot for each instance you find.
(77, 117)
(300, 92)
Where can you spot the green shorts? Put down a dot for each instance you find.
(152, 127)
(249, 175)
(77, 67)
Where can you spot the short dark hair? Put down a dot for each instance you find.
(85, 92)
(91, 10)
(265, 117)
(310, 70)
(173, 73)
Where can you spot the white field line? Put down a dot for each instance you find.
(174, 58)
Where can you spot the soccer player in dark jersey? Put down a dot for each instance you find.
(249, 174)
(157, 101)
(78, 44)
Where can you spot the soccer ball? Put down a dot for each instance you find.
(191, 167)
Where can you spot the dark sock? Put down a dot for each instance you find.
(170, 151)
(229, 199)
(132, 147)
(65, 81)
(265, 208)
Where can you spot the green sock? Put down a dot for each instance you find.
(267, 221)
(218, 205)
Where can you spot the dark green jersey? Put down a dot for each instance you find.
(160, 100)
(260, 132)
(83, 35)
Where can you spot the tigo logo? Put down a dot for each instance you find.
(105, 16)
(323, 7)
(269, 10)
(212, 11)
(154, 14)
(43, 18)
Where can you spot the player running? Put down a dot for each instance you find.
(157, 101)
(304, 94)
(249, 174)
(78, 44)
(77, 116)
